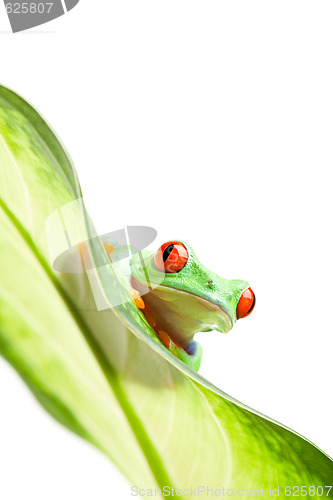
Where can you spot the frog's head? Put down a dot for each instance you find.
(185, 296)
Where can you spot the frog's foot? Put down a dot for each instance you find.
(191, 356)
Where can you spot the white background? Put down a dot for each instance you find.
(212, 122)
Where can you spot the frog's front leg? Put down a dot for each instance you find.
(191, 356)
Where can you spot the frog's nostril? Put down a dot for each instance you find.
(246, 303)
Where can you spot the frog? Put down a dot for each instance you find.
(179, 297)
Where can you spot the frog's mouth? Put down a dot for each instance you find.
(182, 314)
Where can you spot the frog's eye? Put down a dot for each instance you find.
(171, 257)
(246, 303)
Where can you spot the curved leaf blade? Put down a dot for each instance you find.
(104, 374)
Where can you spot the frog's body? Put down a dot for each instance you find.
(179, 296)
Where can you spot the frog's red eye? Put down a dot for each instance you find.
(246, 303)
(171, 257)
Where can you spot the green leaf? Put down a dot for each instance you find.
(104, 374)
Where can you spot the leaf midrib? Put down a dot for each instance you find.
(153, 459)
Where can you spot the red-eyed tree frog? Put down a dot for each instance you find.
(179, 296)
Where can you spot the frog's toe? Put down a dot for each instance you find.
(108, 248)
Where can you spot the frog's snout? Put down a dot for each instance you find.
(246, 303)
